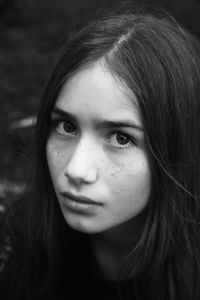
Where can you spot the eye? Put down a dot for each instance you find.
(65, 127)
(120, 140)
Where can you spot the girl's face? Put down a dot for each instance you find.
(96, 152)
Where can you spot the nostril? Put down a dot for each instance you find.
(77, 177)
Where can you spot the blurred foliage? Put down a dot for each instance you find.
(31, 32)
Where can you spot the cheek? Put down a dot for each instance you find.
(55, 158)
(131, 182)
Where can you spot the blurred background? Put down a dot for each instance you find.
(31, 32)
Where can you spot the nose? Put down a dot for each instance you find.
(82, 164)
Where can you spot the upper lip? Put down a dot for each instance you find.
(80, 199)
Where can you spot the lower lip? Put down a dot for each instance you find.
(75, 206)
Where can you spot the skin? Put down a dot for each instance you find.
(107, 164)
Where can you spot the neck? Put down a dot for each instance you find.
(111, 247)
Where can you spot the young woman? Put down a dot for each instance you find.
(113, 209)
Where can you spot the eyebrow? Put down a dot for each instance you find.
(101, 123)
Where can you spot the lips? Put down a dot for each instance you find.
(80, 199)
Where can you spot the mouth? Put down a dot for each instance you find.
(80, 199)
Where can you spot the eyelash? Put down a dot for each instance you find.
(125, 147)
(56, 122)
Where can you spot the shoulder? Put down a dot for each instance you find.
(5, 246)
(14, 249)
(12, 235)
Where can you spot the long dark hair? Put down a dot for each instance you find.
(160, 62)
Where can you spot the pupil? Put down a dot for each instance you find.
(122, 139)
(68, 127)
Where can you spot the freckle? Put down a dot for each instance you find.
(59, 154)
(115, 172)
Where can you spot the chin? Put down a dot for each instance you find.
(85, 226)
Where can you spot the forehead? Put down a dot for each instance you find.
(95, 91)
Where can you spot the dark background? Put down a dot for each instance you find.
(31, 31)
